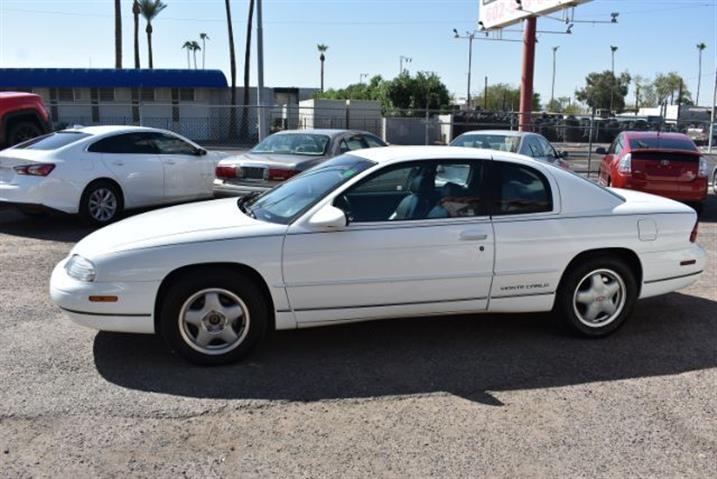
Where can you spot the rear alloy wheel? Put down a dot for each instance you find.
(596, 297)
(101, 203)
(213, 318)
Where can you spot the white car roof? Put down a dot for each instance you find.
(106, 129)
(498, 132)
(392, 154)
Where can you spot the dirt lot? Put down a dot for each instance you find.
(496, 396)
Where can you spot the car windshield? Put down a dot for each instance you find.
(507, 143)
(662, 143)
(292, 198)
(52, 141)
(294, 144)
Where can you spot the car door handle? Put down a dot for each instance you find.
(169, 162)
(473, 236)
(118, 163)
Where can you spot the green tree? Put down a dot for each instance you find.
(150, 9)
(195, 48)
(503, 97)
(188, 46)
(204, 37)
(671, 86)
(601, 87)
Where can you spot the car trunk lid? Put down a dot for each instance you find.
(17, 157)
(665, 165)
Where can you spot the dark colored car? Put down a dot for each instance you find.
(665, 164)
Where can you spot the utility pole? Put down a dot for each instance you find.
(260, 70)
(470, 36)
(613, 49)
(712, 122)
(552, 90)
(526, 81)
(485, 94)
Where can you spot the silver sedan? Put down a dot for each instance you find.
(283, 155)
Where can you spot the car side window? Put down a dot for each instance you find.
(616, 146)
(127, 143)
(171, 145)
(533, 149)
(416, 191)
(546, 147)
(521, 190)
(373, 142)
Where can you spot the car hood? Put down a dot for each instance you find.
(191, 223)
(271, 159)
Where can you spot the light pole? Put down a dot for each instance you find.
(401, 60)
(613, 49)
(470, 36)
(552, 90)
(362, 76)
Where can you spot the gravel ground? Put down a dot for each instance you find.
(496, 396)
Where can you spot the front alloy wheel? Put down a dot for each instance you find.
(101, 203)
(213, 316)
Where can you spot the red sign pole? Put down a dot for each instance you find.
(526, 84)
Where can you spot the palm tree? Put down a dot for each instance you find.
(195, 48)
(233, 67)
(204, 37)
(150, 10)
(118, 34)
(244, 128)
(188, 46)
(322, 49)
(136, 10)
(701, 47)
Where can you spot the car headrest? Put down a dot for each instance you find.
(423, 185)
(451, 189)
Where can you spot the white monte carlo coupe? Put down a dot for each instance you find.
(382, 233)
(99, 171)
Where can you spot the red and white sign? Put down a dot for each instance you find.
(502, 13)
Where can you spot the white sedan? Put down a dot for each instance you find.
(382, 233)
(100, 171)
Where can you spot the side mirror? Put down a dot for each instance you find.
(200, 152)
(601, 151)
(329, 217)
(563, 154)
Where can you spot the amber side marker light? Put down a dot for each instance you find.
(104, 299)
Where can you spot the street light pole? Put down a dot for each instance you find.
(260, 70)
(712, 122)
(613, 49)
(470, 36)
(552, 90)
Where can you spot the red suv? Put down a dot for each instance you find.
(22, 116)
(666, 164)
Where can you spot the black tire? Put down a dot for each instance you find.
(97, 190)
(574, 313)
(183, 337)
(22, 131)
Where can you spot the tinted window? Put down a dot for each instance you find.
(522, 190)
(662, 143)
(171, 145)
(52, 141)
(136, 143)
(293, 144)
(545, 147)
(353, 143)
(508, 143)
(415, 191)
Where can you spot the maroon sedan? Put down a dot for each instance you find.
(665, 164)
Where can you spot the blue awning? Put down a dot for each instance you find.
(109, 78)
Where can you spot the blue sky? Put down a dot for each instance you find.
(368, 36)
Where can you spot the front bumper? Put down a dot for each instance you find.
(132, 313)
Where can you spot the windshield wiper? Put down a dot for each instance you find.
(244, 202)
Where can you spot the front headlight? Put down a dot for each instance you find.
(80, 268)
